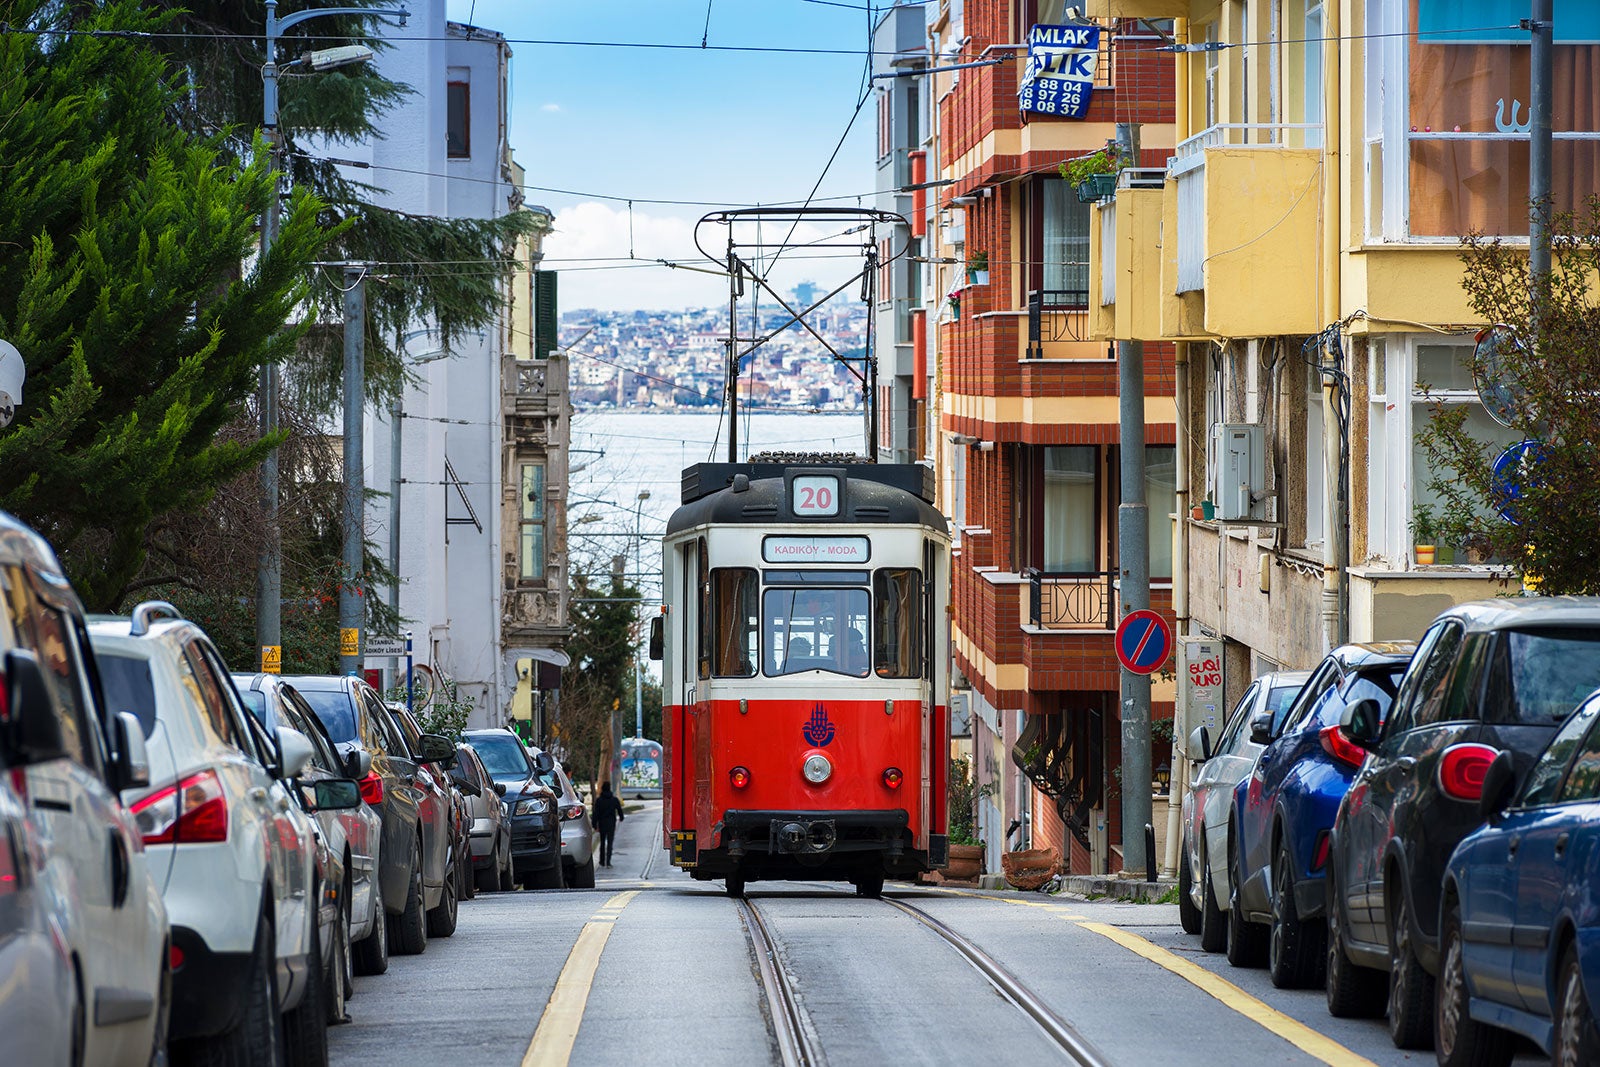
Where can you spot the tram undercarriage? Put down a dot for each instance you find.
(861, 847)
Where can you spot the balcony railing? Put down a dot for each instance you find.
(1190, 152)
(1056, 315)
(1069, 600)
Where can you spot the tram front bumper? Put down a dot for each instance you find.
(814, 833)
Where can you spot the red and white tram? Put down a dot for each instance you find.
(804, 672)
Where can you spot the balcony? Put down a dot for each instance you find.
(1124, 259)
(1069, 600)
(1058, 325)
(1248, 203)
(529, 395)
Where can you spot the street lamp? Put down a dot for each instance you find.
(269, 569)
(638, 571)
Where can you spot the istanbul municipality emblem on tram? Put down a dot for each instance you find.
(818, 730)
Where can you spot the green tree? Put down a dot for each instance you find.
(121, 240)
(1553, 376)
(601, 674)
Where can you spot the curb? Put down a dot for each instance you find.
(1084, 885)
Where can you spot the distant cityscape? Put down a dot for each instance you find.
(646, 360)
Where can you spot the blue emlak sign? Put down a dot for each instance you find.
(1060, 74)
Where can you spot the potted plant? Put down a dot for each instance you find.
(966, 850)
(955, 305)
(978, 268)
(1094, 176)
(1424, 535)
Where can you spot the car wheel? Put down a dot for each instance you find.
(1247, 941)
(305, 1029)
(1294, 948)
(1213, 921)
(583, 877)
(410, 932)
(734, 884)
(466, 881)
(1460, 1040)
(1188, 914)
(551, 877)
(1353, 992)
(339, 975)
(1576, 1040)
(163, 1019)
(488, 879)
(256, 1039)
(508, 879)
(372, 951)
(442, 919)
(1410, 987)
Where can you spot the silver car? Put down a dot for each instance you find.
(489, 830)
(1208, 806)
(578, 838)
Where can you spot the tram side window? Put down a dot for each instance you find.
(733, 598)
(703, 583)
(898, 592)
(816, 630)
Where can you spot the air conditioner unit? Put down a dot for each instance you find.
(1239, 487)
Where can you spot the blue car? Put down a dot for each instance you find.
(1286, 807)
(1519, 949)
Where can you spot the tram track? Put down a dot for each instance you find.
(795, 1037)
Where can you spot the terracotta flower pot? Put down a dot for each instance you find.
(966, 863)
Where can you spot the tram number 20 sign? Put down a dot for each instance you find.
(814, 495)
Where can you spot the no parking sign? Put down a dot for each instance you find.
(1143, 641)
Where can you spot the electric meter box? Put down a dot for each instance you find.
(1240, 486)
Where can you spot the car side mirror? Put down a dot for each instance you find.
(358, 763)
(33, 733)
(658, 637)
(544, 763)
(332, 794)
(435, 748)
(294, 753)
(1261, 728)
(131, 766)
(1199, 745)
(1499, 786)
(467, 786)
(499, 789)
(1362, 722)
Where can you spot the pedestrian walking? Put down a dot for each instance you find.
(607, 813)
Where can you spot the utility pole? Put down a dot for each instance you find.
(351, 604)
(638, 576)
(1133, 558)
(1539, 145)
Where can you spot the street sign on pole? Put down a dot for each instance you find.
(1143, 641)
(377, 645)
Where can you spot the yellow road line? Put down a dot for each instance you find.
(558, 1026)
(1291, 1030)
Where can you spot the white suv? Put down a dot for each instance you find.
(231, 846)
(66, 759)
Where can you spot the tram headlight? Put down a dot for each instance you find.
(816, 768)
(892, 777)
(740, 777)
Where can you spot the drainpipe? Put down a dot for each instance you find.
(1336, 543)
(1180, 36)
(1180, 588)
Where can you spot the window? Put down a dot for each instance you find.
(1583, 780)
(195, 676)
(458, 120)
(733, 621)
(703, 583)
(1313, 73)
(1320, 684)
(1444, 376)
(1405, 709)
(1545, 778)
(1161, 497)
(811, 629)
(1071, 515)
(1064, 243)
(49, 634)
(334, 711)
(1428, 702)
(1377, 685)
(1236, 728)
(1538, 676)
(129, 687)
(530, 526)
(899, 633)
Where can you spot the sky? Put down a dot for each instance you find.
(721, 129)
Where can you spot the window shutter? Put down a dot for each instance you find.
(545, 313)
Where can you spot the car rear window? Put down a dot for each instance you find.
(128, 687)
(333, 708)
(1539, 676)
(1379, 685)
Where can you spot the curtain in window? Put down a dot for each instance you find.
(1069, 509)
(1160, 493)
(1066, 240)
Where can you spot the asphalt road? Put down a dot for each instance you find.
(656, 968)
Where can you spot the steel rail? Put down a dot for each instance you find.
(796, 1047)
(1059, 1030)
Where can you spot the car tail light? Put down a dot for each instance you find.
(572, 811)
(192, 812)
(10, 863)
(1341, 748)
(372, 789)
(1462, 769)
(892, 777)
(175, 957)
(740, 777)
(1319, 854)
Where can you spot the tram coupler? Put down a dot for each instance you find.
(803, 837)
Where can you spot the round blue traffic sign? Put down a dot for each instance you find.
(1516, 470)
(1143, 641)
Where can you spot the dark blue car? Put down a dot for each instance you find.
(1519, 949)
(1285, 808)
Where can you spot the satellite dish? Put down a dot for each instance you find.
(1514, 471)
(1501, 394)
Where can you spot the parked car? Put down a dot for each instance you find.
(578, 838)
(1519, 920)
(1285, 809)
(68, 753)
(351, 910)
(1224, 761)
(448, 840)
(490, 828)
(232, 847)
(1490, 676)
(530, 802)
(459, 852)
(413, 820)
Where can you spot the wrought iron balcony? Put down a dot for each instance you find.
(1069, 600)
(1056, 315)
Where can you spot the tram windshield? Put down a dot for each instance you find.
(813, 629)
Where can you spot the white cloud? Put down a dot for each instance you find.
(599, 235)
(550, 107)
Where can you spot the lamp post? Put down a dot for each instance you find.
(269, 568)
(638, 572)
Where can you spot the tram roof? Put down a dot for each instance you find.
(898, 493)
